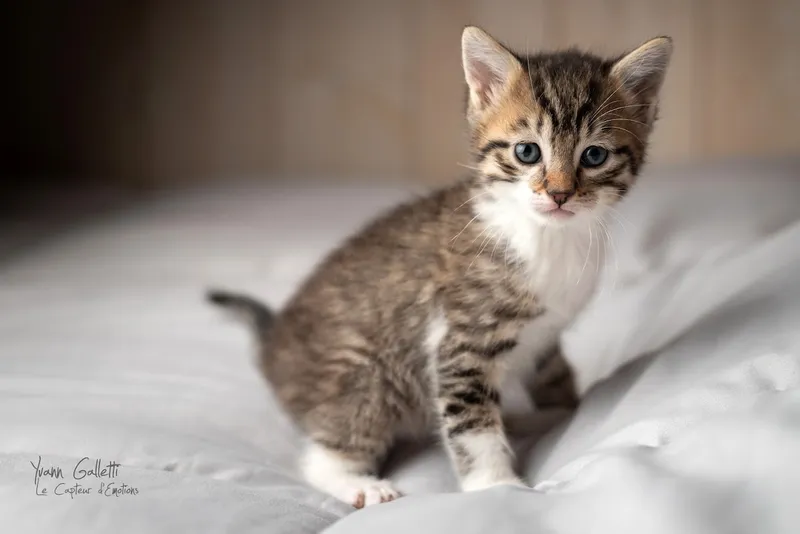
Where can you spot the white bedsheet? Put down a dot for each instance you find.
(108, 352)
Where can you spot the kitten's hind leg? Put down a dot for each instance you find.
(348, 477)
(552, 385)
(350, 407)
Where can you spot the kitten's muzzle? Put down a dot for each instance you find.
(559, 186)
(560, 197)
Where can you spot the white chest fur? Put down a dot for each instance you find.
(562, 262)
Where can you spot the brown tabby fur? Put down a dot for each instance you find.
(347, 356)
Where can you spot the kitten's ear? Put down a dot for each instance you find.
(642, 71)
(488, 68)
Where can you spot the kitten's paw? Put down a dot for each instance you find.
(367, 492)
(338, 476)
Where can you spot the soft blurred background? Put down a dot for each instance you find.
(106, 99)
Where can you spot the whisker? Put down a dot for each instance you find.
(621, 107)
(530, 77)
(586, 261)
(630, 132)
(600, 107)
(485, 241)
(614, 250)
(480, 234)
(496, 242)
(597, 266)
(471, 167)
(619, 222)
(619, 214)
(600, 281)
(470, 199)
(609, 121)
(462, 230)
(480, 251)
(621, 84)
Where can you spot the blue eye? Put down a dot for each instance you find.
(594, 156)
(527, 153)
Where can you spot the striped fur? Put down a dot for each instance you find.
(409, 326)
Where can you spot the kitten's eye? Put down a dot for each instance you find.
(594, 156)
(527, 153)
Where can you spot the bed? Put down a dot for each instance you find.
(129, 405)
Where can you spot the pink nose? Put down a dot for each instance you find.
(560, 197)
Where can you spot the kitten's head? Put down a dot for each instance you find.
(558, 137)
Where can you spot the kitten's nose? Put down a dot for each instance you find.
(560, 197)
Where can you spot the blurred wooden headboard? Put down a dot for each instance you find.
(373, 89)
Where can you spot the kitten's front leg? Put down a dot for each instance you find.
(468, 375)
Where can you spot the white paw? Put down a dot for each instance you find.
(365, 492)
(329, 472)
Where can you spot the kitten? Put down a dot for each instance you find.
(410, 326)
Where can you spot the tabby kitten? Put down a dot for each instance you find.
(410, 326)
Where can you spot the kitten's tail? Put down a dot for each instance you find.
(259, 315)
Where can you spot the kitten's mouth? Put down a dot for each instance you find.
(558, 213)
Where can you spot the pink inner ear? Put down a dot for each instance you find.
(484, 80)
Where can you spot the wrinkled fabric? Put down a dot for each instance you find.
(108, 352)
